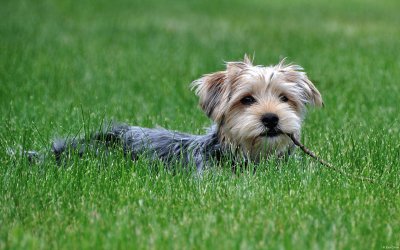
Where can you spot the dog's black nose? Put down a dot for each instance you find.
(270, 120)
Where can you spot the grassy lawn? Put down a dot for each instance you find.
(67, 66)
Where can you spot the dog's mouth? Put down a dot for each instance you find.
(271, 133)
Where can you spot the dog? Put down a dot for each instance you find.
(252, 107)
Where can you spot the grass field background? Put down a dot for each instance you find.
(67, 66)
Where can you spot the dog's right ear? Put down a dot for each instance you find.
(212, 89)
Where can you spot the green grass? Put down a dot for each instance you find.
(68, 63)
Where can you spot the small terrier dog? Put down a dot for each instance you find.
(253, 109)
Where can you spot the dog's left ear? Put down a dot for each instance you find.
(313, 94)
(296, 74)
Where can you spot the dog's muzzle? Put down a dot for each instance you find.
(270, 121)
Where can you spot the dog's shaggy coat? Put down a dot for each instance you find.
(252, 107)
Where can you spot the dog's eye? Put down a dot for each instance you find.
(248, 100)
(284, 98)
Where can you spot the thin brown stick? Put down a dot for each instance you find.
(323, 162)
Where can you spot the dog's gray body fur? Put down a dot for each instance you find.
(168, 146)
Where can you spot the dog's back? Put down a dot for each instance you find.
(157, 143)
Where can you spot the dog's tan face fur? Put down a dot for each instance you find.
(255, 106)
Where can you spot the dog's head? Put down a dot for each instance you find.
(255, 106)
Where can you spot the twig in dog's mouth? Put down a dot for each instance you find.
(323, 162)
